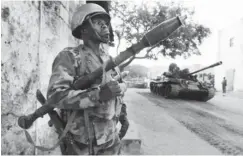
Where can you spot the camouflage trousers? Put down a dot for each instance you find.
(109, 148)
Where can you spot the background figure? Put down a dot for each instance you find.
(224, 84)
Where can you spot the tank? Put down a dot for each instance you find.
(183, 85)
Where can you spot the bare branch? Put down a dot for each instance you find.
(119, 35)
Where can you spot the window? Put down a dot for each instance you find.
(231, 44)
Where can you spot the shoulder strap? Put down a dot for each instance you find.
(68, 126)
(82, 63)
(79, 57)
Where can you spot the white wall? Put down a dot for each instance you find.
(232, 57)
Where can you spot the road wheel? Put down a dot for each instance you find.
(167, 91)
(211, 94)
(151, 87)
(157, 90)
(160, 87)
(161, 91)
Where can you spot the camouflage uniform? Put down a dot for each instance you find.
(79, 61)
(124, 121)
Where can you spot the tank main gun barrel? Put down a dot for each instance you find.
(211, 66)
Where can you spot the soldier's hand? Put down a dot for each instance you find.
(109, 91)
(123, 87)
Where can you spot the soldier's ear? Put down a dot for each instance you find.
(84, 28)
(84, 31)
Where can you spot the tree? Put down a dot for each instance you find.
(137, 71)
(136, 20)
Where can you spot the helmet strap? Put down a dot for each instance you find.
(95, 32)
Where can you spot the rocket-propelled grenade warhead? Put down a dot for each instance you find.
(152, 37)
(162, 31)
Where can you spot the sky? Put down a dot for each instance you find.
(215, 14)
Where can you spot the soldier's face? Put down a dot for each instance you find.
(101, 26)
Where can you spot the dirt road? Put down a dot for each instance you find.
(187, 127)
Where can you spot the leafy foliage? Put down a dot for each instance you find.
(137, 20)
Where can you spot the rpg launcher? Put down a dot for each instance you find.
(157, 34)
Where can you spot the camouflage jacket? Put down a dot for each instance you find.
(78, 61)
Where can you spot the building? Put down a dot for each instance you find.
(230, 52)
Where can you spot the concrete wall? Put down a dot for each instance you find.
(33, 32)
(232, 57)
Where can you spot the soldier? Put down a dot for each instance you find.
(174, 70)
(224, 84)
(90, 23)
(172, 67)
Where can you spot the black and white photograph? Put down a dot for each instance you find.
(122, 77)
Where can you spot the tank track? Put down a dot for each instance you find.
(154, 87)
(165, 90)
(213, 139)
(211, 94)
(171, 91)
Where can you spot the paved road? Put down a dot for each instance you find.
(187, 127)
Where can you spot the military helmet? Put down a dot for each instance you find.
(172, 66)
(82, 13)
(186, 71)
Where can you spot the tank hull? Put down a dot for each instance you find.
(172, 91)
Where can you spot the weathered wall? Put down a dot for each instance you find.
(55, 36)
(33, 32)
(20, 72)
